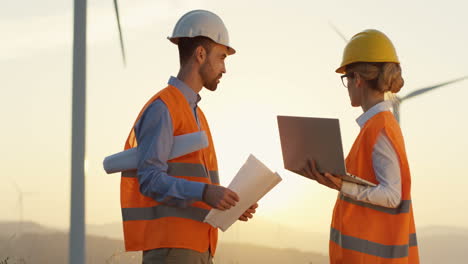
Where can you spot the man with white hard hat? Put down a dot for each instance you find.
(165, 201)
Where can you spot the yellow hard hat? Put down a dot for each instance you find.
(368, 46)
(202, 23)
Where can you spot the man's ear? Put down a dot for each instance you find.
(200, 54)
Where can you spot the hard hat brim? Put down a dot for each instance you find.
(342, 68)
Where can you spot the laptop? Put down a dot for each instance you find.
(311, 138)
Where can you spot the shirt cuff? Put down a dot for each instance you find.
(195, 190)
(349, 189)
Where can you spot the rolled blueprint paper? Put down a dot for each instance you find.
(183, 144)
(251, 183)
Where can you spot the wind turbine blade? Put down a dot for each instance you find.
(338, 32)
(430, 88)
(122, 48)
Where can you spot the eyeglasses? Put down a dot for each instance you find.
(344, 78)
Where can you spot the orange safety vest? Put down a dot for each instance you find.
(367, 233)
(149, 224)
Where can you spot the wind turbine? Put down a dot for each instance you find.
(397, 100)
(77, 208)
(21, 204)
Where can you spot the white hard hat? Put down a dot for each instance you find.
(202, 23)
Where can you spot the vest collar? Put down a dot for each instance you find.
(192, 97)
(380, 107)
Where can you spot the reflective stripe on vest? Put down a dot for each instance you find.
(160, 211)
(372, 248)
(403, 208)
(214, 177)
(183, 169)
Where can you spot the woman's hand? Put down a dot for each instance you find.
(327, 179)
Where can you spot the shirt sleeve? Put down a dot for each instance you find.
(154, 134)
(387, 171)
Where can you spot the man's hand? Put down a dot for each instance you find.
(219, 197)
(327, 179)
(249, 213)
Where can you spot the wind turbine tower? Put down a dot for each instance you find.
(77, 208)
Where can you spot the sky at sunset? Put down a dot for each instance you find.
(286, 56)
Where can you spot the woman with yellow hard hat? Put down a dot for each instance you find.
(372, 224)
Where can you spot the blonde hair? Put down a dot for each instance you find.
(383, 76)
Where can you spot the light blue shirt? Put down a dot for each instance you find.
(154, 135)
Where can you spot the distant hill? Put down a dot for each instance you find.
(51, 247)
(111, 230)
(438, 244)
(11, 228)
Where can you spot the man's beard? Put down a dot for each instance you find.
(212, 84)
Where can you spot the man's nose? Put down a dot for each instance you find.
(223, 69)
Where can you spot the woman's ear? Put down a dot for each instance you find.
(358, 80)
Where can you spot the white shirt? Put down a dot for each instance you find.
(386, 168)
